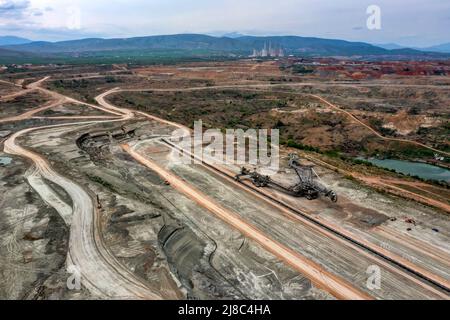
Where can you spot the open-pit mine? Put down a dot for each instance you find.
(94, 204)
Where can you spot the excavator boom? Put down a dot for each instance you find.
(307, 187)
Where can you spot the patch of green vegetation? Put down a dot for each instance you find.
(362, 162)
(446, 127)
(292, 144)
(110, 79)
(138, 57)
(282, 104)
(407, 152)
(280, 124)
(102, 182)
(349, 177)
(387, 131)
(335, 154)
(301, 69)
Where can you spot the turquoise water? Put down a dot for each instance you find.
(423, 170)
(5, 160)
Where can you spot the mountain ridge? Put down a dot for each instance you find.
(444, 48)
(13, 40)
(242, 45)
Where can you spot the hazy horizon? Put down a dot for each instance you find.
(408, 23)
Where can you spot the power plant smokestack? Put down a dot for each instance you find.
(268, 51)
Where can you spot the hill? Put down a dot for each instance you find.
(6, 53)
(12, 40)
(190, 45)
(445, 47)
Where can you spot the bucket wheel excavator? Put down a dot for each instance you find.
(309, 185)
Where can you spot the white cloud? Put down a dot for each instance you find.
(428, 21)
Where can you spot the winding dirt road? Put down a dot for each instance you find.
(368, 180)
(290, 212)
(31, 113)
(168, 177)
(379, 135)
(323, 279)
(100, 272)
(249, 86)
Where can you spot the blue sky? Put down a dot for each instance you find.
(407, 22)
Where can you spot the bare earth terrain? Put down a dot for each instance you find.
(89, 182)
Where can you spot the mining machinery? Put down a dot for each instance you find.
(308, 186)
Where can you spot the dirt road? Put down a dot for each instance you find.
(389, 185)
(423, 199)
(249, 86)
(323, 279)
(100, 272)
(378, 249)
(307, 218)
(31, 113)
(379, 135)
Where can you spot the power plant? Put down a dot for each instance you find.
(268, 51)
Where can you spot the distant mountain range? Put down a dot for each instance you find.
(233, 35)
(204, 45)
(12, 40)
(442, 48)
(439, 48)
(11, 54)
(390, 46)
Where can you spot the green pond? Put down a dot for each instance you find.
(422, 170)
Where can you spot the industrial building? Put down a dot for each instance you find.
(268, 51)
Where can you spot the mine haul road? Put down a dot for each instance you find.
(100, 272)
(402, 266)
(318, 275)
(381, 256)
(262, 86)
